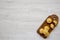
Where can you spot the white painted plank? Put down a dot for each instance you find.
(19, 19)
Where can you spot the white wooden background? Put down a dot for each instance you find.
(19, 19)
